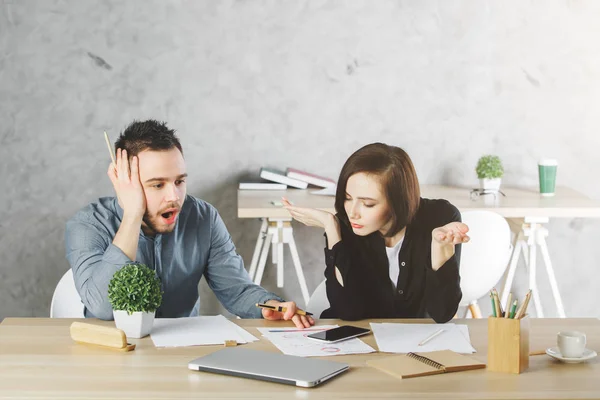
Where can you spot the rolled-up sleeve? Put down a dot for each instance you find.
(94, 260)
(227, 277)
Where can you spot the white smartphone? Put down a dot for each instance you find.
(338, 334)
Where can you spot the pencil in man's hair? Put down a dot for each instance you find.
(110, 150)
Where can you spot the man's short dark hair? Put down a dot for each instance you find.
(147, 135)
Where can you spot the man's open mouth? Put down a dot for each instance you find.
(170, 215)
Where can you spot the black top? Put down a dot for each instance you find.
(368, 292)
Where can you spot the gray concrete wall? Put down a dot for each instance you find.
(291, 83)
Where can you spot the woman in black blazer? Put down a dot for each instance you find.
(389, 253)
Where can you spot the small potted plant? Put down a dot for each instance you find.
(489, 171)
(134, 293)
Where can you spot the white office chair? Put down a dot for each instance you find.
(66, 302)
(318, 301)
(484, 259)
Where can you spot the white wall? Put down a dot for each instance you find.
(291, 83)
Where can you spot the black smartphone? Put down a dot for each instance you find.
(338, 334)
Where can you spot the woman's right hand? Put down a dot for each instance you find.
(309, 216)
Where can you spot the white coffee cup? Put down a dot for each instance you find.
(571, 343)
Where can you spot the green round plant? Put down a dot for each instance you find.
(489, 167)
(135, 287)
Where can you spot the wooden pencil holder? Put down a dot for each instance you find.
(508, 344)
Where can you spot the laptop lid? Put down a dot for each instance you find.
(273, 367)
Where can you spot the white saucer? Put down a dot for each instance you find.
(555, 353)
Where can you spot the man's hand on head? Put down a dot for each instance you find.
(125, 177)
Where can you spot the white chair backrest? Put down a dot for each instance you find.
(66, 302)
(484, 259)
(318, 301)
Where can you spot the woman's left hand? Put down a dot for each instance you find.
(443, 240)
(452, 233)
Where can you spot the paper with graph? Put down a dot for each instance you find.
(293, 341)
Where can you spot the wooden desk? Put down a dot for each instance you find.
(526, 210)
(38, 359)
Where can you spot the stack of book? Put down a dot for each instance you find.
(272, 179)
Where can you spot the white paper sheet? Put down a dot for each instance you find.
(293, 341)
(248, 337)
(405, 338)
(195, 331)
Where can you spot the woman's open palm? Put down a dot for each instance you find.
(452, 233)
(308, 216)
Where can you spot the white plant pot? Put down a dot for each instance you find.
(492, 185)
(137, 325)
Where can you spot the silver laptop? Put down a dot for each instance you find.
(273, 367)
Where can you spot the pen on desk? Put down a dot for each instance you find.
(281, 309)
(434, 334)
(537, 353)
(298, 330)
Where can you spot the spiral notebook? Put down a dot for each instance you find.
(422, 364)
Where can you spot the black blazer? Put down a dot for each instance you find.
(368, 292)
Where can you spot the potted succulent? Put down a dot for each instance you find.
(135, 293)
(489, 171)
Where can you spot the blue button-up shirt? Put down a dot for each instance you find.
(199, 245)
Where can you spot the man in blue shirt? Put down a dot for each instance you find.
(153, 221)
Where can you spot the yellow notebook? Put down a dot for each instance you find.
(421, 364)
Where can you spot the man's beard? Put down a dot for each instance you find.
(152, 226)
